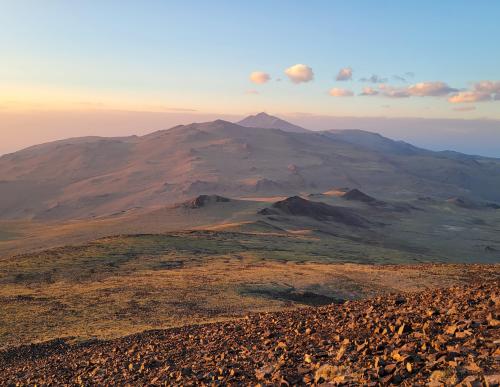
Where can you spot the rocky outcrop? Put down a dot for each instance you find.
(359, 196)
(297, 206)
(204, 200)
(437, 337)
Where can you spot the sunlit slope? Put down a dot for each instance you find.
(83, 178)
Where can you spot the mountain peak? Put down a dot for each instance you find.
(267, 121)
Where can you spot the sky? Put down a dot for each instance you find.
(110, 64)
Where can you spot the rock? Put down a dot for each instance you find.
(451, 329)
(492, 380)
(470, 381)
(326, 373)
(264, 372)
(371, 342)
(204, 200)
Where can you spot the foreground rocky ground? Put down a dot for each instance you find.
(438, 337)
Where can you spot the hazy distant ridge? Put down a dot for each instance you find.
(93, 176)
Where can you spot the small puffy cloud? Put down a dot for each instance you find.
(252, 92)
(464, 108)
(487, 86)
(299, 73)
(470, 97)
(374, 79)
(497, 97)
(344, 74)
(369, 91)
(432, 89)
(338, 92)
(259, 77)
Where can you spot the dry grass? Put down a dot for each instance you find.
(117, 286)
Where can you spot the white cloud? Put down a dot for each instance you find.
(487, 86)
(422, 89)
(259, 77)
(394, 92)
(299, 73)
(469, 97)
(338, 92)
(481, 91)
(369, 91)
(432, 89)
(344, 74)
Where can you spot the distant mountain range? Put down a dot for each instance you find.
(259, 156)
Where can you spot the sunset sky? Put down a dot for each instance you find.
(197, 59)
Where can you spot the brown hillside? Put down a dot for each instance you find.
(89, 177)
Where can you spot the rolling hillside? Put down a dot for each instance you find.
(93, 176)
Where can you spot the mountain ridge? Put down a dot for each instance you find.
(85, 177)
(264, 120)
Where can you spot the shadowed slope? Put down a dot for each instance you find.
(357, 195)
(297, 206)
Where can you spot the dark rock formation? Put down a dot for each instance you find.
(297, 206)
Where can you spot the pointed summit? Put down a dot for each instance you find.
(264, 120)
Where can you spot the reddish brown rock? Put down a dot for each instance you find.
(437, 337)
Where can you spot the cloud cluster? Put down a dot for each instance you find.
(344, 74)
(421, 89)
(481, 91)
(432, 89)
(393, 92)
(259, 77)
(339, 92)
(488, 86)
(469, 96)
(486, 90)
(299, 73)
